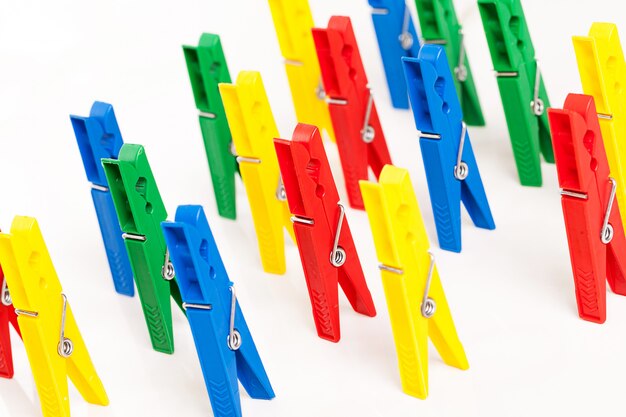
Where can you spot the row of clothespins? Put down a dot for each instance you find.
(289, 185)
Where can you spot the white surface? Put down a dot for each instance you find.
(511, 290)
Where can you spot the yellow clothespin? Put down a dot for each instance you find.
(293, 22)
(253, 129)
(417, 304)
(53, 343)
(603, 75)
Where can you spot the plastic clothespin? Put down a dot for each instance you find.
(451, 169)
(325, 243)
(397, 37)
(253, 128)
(417, 304)
(360, 138)
(54, 346)
(293, 22)
(140, 212)
(440, 25)
(224, 343)
(521, 87)
(98, 137)
(592, 216)
(7, 316)
(207, 68)
(603, 75)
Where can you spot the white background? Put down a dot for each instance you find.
(511, 290)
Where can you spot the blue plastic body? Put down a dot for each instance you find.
(389, 21)
(98, 137)
(437, 111)
(203, 282)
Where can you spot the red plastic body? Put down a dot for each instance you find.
(344, 79)
(583, 168)
(312, 195)
(7, 315)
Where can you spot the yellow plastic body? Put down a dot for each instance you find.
(35, 288)
(603, 75)
(402, 244)
(293, 22)
(253, 130)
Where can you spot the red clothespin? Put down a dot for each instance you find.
(324, 239)
(592, 219)
(360, 138)
(7, 315)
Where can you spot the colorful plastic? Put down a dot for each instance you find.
(406, 264)
(46, 320)
(439, 119)
(397, 37)
(7, 316)
(597, 253)
(516, 69)
(440, 25)
(360, 139)
(208, 294)
(320, 228)
(140, 212)
(207, 68)
(99, 136)
(253, 128)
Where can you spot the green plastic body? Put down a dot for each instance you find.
(439, 24)
(207, 68)
(513, 55)
(140, 212)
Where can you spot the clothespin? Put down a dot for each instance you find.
(521, 87)
(207, 68)
(224, 343)
(593, 223)
(324, 240)
(360, 138)
(451, 168)
(99, 136)
(140, 212)
(54, 346)
(7, 316)
(440, 25)
(253, 128)
(397, 37)
(603, 75)
(293, 23)
(417, 304)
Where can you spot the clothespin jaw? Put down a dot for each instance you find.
(253, 128)
(603, 71)
(360, 138)
(140, 211)
(207, 68)
(523, 93)
(325, 243)
(451, 168)
(439, 25)
(53, 342)
(417, 304)
(98, 137)
(592, 218)
(293, 22)
(397, 37)
(224, 343)
(7, 316)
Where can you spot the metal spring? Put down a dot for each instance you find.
(167, 270)
(405, 38)
(429, 306)
(537, 104)
(65, 346)
(5, 296)
(234, 338)
(606, 234)
(460, 71)
(461, 170)
(338, 254)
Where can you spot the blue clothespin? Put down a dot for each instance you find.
(396, 38)
(225, 346)
(451, 168)
(98, 137)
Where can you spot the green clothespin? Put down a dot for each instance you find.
(140, 212)
(523, 94)
(439, 25)
(207, 68)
